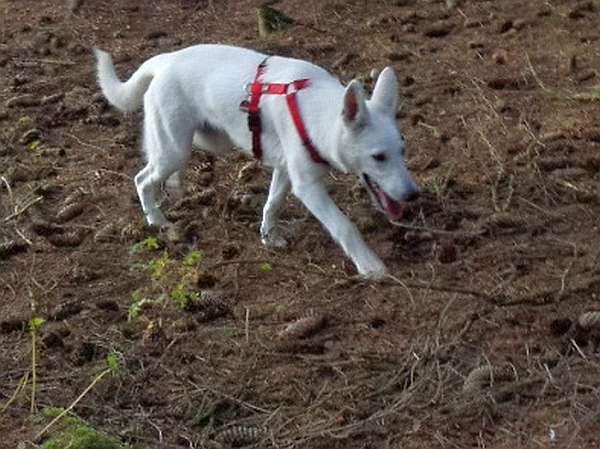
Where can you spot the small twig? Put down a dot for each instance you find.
(81, 142)
(441, 232)
(43, 61)
(73, 404)
(231, 398)
(10, 193)
(410, 295)
(19, 211)
(463, 291)
(20, 386)
(247, 326)
(20, 234)
(33, 369)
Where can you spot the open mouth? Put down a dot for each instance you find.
(393, 209)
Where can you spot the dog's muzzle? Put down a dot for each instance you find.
(392, 208)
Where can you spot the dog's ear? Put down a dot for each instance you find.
(355, 107)
(385, 93)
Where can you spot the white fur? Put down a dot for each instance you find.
(192, 96)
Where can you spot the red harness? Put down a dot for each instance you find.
(251, 106)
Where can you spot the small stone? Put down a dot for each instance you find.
(439, 30)
(500, 57)
(475, 44)
(25, 123)
(501, 106)
(155, 35)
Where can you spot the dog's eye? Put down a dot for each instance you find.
(380, 157)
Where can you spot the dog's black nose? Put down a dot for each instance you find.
(412, 196)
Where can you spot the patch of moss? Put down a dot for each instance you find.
(74, 434)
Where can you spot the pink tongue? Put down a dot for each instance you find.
(394, 209)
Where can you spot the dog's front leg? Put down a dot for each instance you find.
(280, 186)
(317, 200)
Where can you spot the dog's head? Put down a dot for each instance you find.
(372, 146)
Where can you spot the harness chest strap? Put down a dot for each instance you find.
(257, 90)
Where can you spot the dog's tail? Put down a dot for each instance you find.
(127, 96)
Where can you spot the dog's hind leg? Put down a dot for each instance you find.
(167, 144)
(173, 185)
(280, 186)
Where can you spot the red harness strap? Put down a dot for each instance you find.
(256, 90)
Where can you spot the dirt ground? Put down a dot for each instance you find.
(485, 336)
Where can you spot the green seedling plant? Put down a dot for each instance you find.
(171, 281)
(266, 267)
(34, 146)
(149, 244)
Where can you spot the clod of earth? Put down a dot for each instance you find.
(271, 20)
(11, 247)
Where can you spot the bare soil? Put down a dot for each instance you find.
(493, 266)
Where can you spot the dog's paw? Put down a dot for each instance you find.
(274, 240)
(155, 217)
(376, 272)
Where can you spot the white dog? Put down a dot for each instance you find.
(193, 96)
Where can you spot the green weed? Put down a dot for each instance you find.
(171, 280)
(149, 244)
